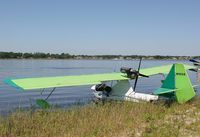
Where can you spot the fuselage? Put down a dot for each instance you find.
(127, 94)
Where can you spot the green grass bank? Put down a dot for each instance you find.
(113, 119)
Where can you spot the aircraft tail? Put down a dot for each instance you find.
(177, 85)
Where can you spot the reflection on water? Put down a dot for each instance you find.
(11, 98)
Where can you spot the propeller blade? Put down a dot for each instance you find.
(197, 64)
(142, 75)
(195, 61)
(195, 70)
(139, 65)
(137, 75)
(135, 84)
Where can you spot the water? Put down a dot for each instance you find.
(11, 98)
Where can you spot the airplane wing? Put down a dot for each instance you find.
(160, 70)
(63, 81)
(79, 80)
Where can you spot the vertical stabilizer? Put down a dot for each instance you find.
(177, 85)
(185, 90)
(168, 84)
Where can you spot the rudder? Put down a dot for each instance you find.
(183, 83)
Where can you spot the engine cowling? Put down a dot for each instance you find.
(131, 73)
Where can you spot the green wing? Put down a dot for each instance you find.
(64, 81)
(160, 70)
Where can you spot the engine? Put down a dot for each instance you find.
(131, 73)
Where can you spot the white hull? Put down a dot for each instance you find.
(123, 91)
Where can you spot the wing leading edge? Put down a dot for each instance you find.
(91, 79)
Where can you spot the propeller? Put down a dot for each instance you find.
(137, 74)
(194, 69)
(195, 62)
(133, 74)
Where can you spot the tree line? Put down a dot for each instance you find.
(37, 55)
(40, 55)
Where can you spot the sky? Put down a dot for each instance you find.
(125, 27)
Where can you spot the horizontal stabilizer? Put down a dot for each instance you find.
(163, 91)
(194, 86)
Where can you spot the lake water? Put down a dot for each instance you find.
(11, 98)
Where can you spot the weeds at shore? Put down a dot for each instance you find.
(113, 119)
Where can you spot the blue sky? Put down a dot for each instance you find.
(127, 27)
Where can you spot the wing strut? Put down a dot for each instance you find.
(50, 93)
(42, 91)
(42, 103)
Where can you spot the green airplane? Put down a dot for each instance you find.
(176, 86)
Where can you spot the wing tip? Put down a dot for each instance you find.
(10, 82)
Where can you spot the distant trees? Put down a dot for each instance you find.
(40, 55)
(37, 55)
(5, 55)
(27, 55)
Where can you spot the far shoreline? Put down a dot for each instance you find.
(96, 59)
(67, 56)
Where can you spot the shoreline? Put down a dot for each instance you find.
(96, 59)
(110, 119)
(67, 56)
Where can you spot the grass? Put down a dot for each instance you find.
(113, 119)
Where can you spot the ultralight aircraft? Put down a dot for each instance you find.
(176, 86)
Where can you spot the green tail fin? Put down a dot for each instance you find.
(169, 84)
(183, 83)
(178, 80)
